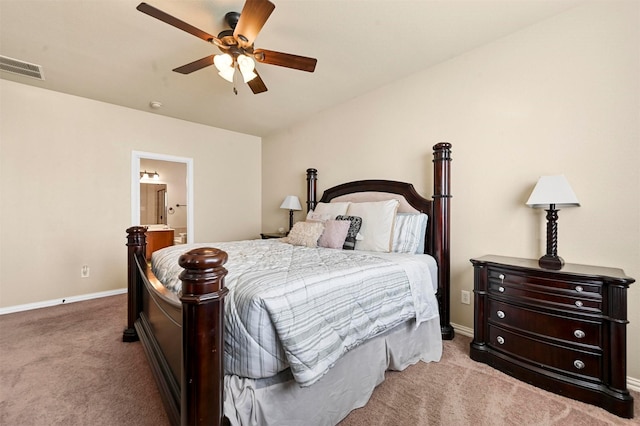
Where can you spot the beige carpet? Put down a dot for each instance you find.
(67, 365)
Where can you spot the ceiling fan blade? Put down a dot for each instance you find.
(252, 18)
(165, 17)
(195, 65)
(287, 60)
(257, 85)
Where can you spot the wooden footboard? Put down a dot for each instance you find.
(183, 340)
(183, 337)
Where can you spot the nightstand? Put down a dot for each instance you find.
(268, 235)
(563, 331)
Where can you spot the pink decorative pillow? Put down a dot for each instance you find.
(334, 234)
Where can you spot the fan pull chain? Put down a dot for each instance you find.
(235, 79)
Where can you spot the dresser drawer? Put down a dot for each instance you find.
(555, 357)
(555, 293)
(572, 330)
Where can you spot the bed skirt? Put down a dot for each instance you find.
(348, 385)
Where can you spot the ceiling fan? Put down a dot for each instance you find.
(237, 45)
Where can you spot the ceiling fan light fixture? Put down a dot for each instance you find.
(246, 65)
(224, 64)
(248, 76)
(227, 74)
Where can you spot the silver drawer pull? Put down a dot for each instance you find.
(579, 334)
(578, 364)
(500, 340)
(579, 303)
(501, 289)
(579, 288)
(501, 276)
(500, 314)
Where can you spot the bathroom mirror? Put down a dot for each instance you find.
(153, 203)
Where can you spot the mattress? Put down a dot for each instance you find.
(303, 308)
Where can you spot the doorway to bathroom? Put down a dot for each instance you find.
(162, 193)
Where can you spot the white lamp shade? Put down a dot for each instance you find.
(223, 61)
(552, 190)
(224, 65)
(227, 74)
(247, 76)
(246, 66)
(291, 203)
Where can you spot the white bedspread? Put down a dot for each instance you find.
(291, 306)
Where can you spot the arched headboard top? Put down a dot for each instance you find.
(379, 190)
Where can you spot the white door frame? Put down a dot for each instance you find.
(135, 186)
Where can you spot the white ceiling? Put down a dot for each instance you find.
(108, 51)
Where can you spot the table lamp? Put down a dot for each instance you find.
(552, 192)
(291, 203)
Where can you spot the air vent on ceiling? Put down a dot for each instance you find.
(16, 66)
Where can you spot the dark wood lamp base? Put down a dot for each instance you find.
(551, 262)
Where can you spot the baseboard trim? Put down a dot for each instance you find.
(461, 329)
(55, 302)
(632, 383)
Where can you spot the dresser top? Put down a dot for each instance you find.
(615, 274)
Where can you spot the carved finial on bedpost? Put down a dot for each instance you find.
(441, 202)
(202, 299)
(312, 200)
(137, 245)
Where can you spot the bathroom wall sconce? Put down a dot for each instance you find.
(148, 175)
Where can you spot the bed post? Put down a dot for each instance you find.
(137, 246)
(441, 201)
(312, 177)
(202, 299)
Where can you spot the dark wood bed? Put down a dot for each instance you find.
(184, 341)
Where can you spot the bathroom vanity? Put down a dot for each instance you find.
(157, 239)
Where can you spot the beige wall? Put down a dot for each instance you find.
(65, 188)
(558, 97)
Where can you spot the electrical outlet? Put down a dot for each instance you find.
(465, 297)
(84, 271)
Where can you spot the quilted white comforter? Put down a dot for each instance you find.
(299, 307)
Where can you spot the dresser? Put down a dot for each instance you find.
(563, 331)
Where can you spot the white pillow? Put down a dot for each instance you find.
(332, 209)
(318, 217)
(407, 232)
(378, 219)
